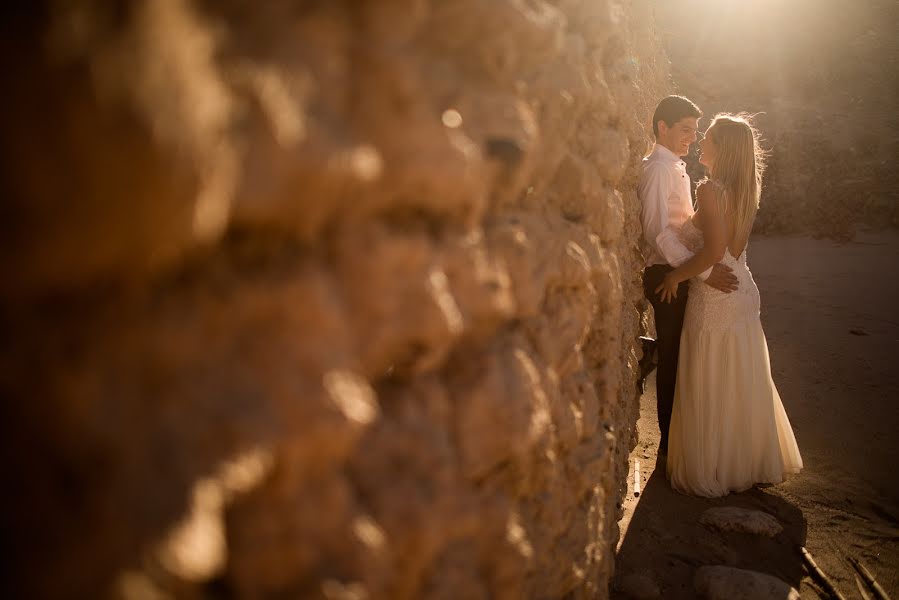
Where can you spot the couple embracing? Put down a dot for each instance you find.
(723, 426)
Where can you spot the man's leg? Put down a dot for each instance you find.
(669, 319)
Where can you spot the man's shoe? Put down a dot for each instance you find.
(648, 362)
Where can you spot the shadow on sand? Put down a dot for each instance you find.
(665, 541)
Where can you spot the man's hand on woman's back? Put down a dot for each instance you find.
(722, 278)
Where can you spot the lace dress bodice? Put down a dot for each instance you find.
(708, 308)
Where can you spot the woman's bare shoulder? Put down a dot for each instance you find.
(707, 186)
(707, 192)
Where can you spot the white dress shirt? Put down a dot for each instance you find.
(664, 191)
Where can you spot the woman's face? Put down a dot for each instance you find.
(708, 150)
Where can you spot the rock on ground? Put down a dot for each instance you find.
(731, 518)
(728, 583)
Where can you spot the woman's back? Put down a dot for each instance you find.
(708, 307)
(736, 241)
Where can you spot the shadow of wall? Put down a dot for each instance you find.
(667, 542)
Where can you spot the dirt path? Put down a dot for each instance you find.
(830, 315)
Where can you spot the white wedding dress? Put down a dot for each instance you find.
(729, 429)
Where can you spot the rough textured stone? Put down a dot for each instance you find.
(732, 518)
(729, 583)
(320, 299)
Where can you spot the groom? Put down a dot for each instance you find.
(664, 191)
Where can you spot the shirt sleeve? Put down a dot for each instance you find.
(672, 248)
(675, 252)
(654, 189)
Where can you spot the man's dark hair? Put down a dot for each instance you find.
(671, 110)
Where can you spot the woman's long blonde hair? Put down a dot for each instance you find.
(738, 169)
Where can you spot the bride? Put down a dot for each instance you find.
(729, 429)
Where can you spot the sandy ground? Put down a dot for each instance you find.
(831, 316)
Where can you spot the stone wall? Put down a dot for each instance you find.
(320, 299)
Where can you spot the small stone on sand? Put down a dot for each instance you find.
(731, 518)
(728, 583)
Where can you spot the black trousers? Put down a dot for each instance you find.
(669, 323)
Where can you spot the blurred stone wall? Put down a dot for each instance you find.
(320, 299)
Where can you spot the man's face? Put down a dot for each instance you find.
(679, 136)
